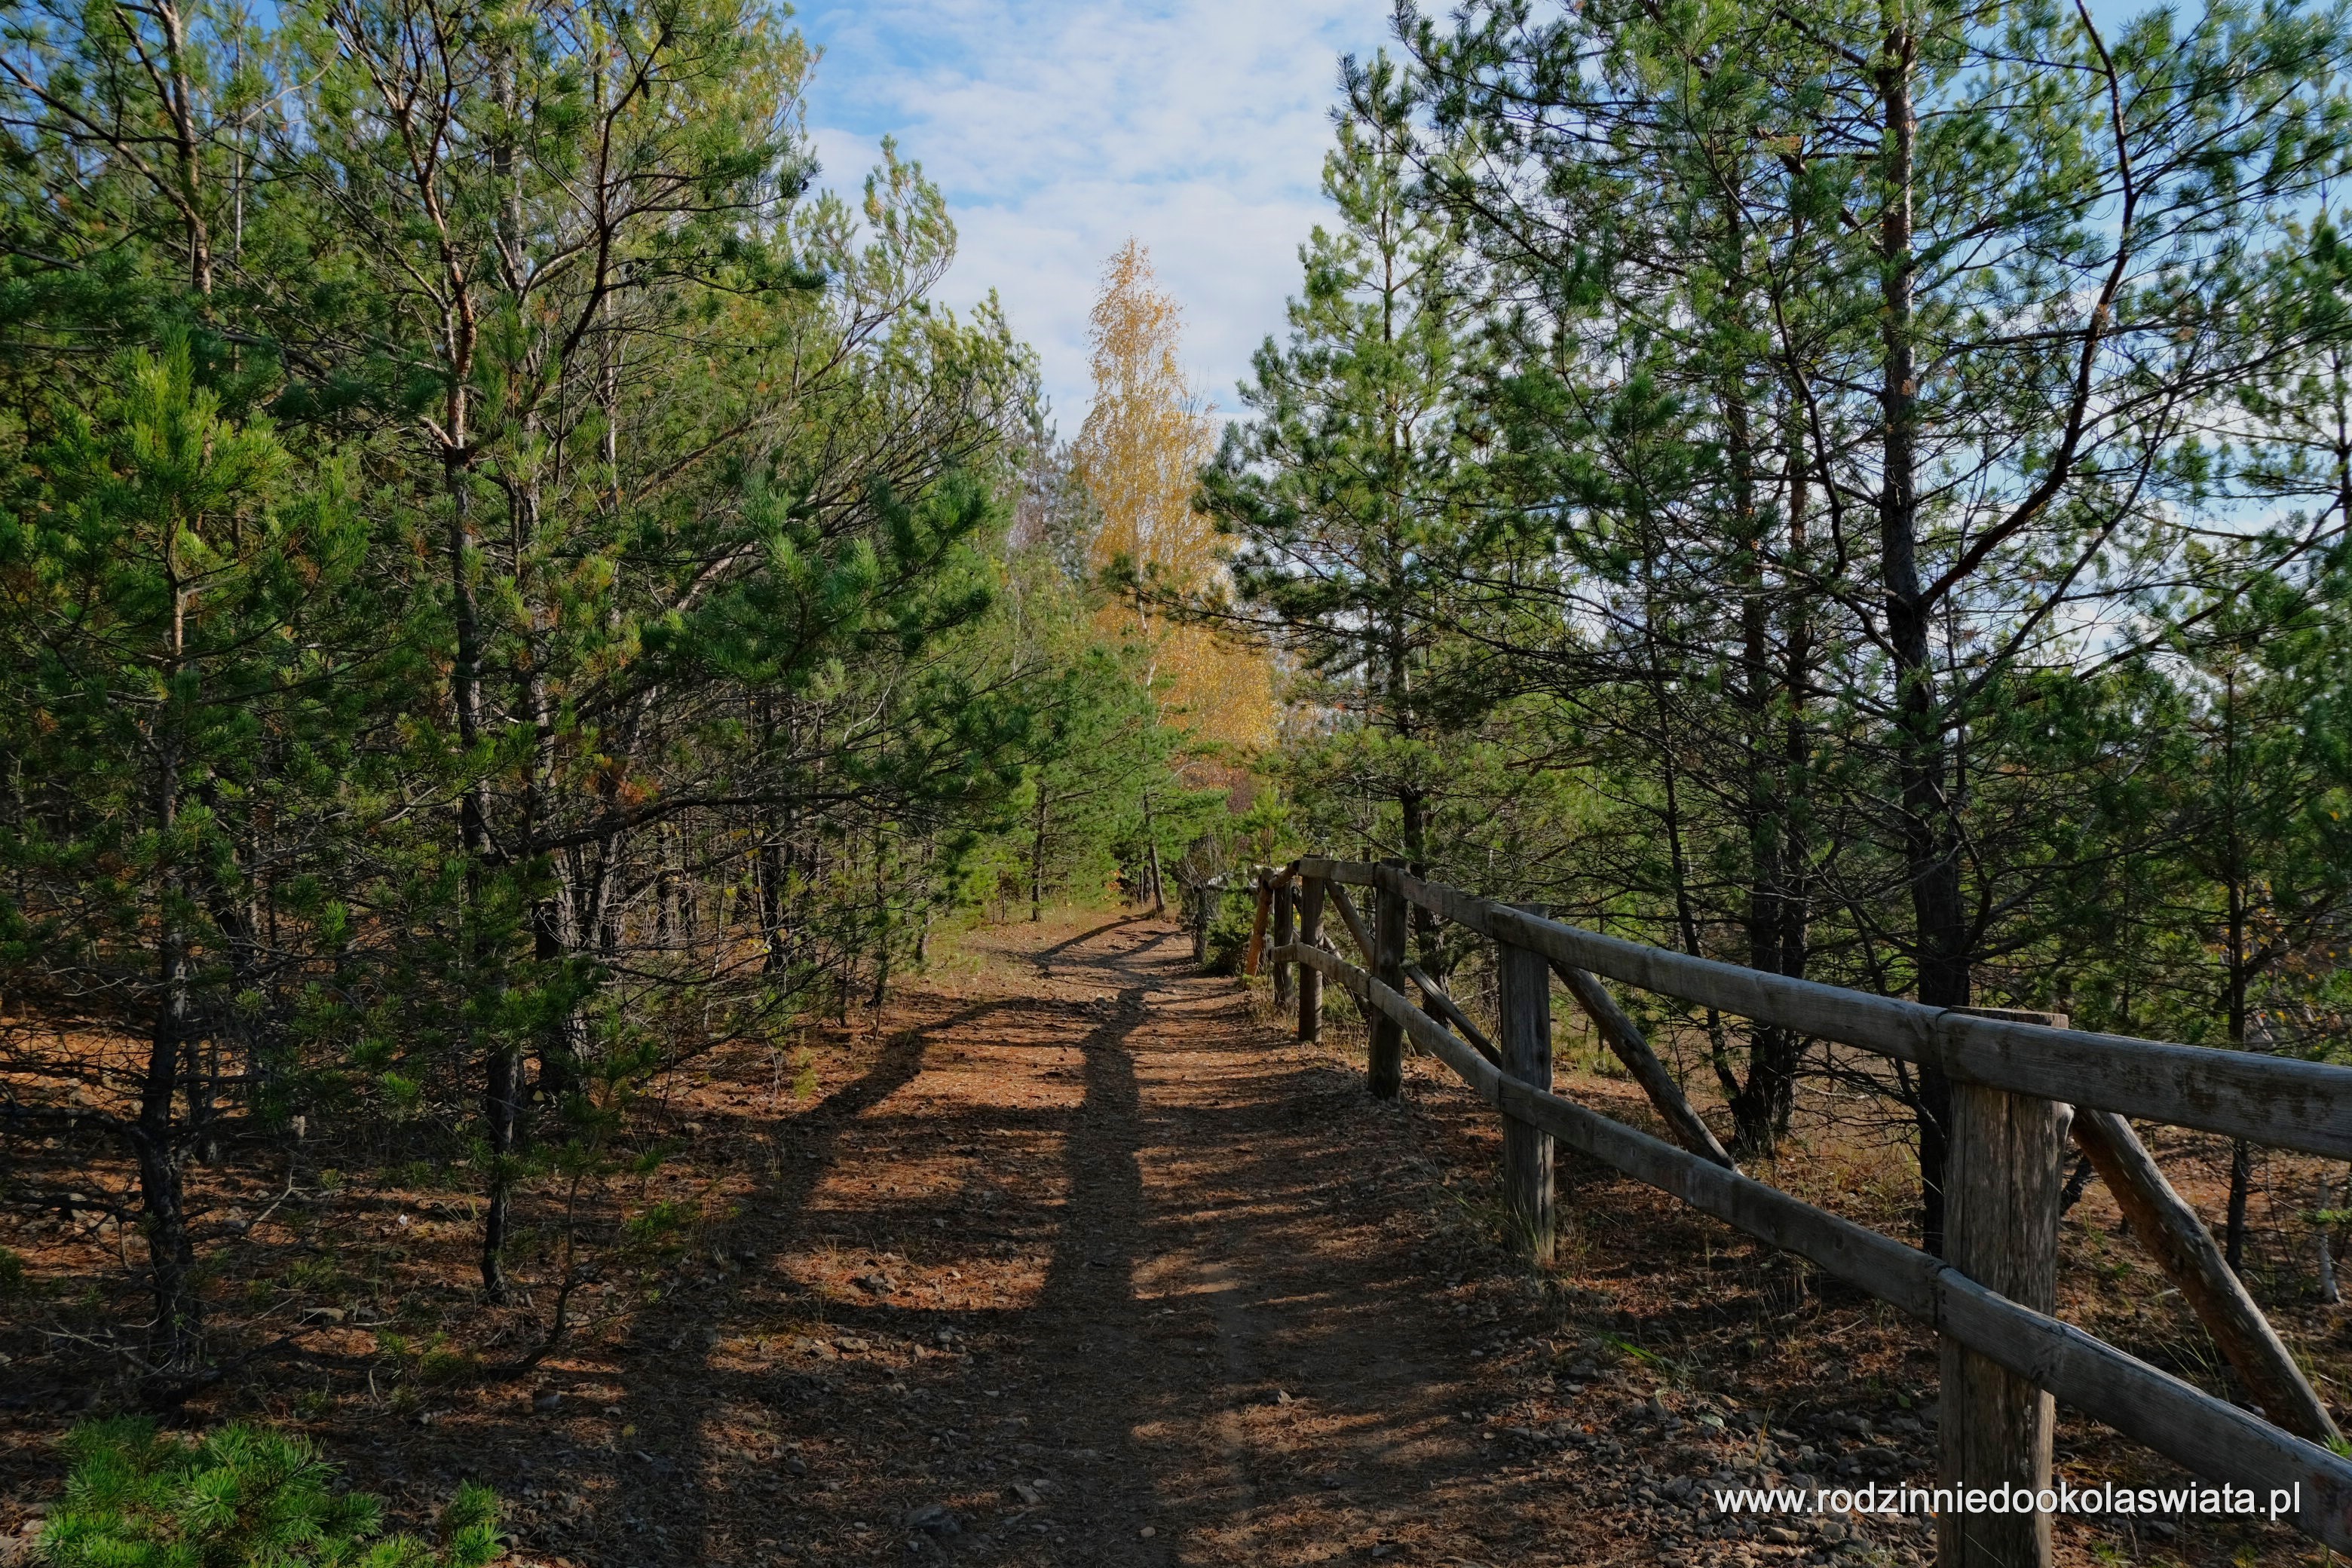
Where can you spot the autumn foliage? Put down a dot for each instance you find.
(1139, 456)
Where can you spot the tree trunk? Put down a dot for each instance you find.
(772, 903)
(1930, 837)
(785, 856)
(1037, 862)
(1151, 861)
(499, 1074)
(1795, 903)
(2328, 1290)
(1412, 802)
(2238, 978)
(554, 927)
(187, 146)
(1677, 863)
(1412, 810)
(177, 1342)
(881, 919)
(2241, 1172)
(1759, 1104)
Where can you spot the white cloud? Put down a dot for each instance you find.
(1058, 129)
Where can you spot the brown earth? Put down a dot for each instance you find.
(1078, 1259)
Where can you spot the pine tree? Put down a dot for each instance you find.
(1992, 401)
(240, 1494)
(176, 611)
(1354, 490)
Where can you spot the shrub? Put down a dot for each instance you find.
(1232, 920)
(243, 1497)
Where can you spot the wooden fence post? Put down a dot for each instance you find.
(2173, 1234)
(1310, 978)
(2163, 1223)
(1285, 892)
(2000, 1191)
(1261, 916)
(1384, 1063)
(1665, 1095)
(1525, 1007)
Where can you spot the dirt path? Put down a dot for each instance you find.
(1102, 1271)
(1077, 1260)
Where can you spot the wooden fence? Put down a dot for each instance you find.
(2021, 1085)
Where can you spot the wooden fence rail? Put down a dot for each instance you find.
(2021, 1087)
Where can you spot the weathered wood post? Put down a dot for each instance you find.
(1311, 891)
(1625, 1040)
(1525, 1007)
(2000, 1230)
(1260, 917)
(1286, 891)
(1384, 1063)
(2163, 1223)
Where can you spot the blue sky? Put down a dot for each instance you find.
(1057, 129)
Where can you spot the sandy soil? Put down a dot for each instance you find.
(1078, 1259)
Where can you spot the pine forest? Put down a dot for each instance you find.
(576, 727)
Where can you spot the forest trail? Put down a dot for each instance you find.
(1098, 1269)
(1076, 1258)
